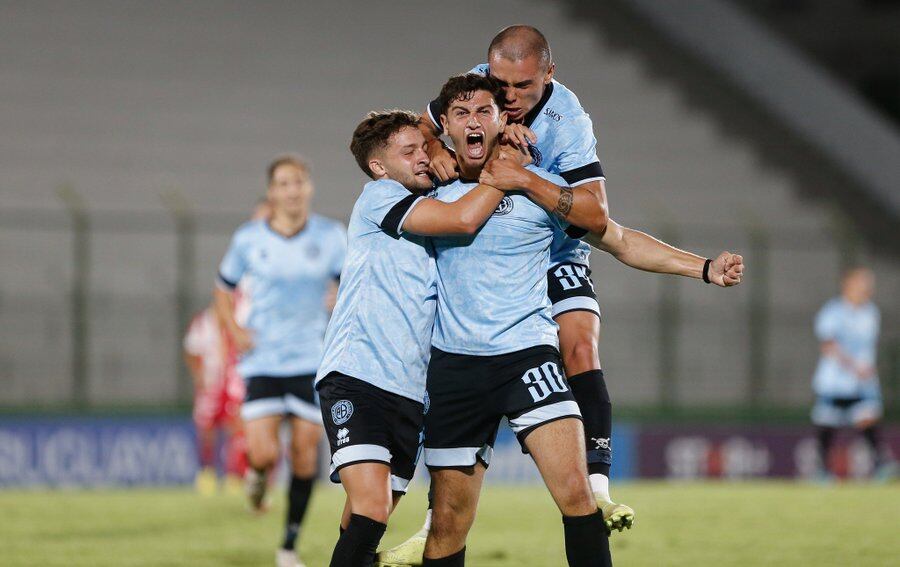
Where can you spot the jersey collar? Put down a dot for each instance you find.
(534, 112)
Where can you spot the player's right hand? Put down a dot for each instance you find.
(443, 161)
(518, 135)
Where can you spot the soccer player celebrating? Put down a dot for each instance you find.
(494, 349)
(479, 371)
(546, 118)
(371, 381)
(846, 381)
(285, 265)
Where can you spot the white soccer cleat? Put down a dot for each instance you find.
(255, 486)
(407, 554)
(616, 516)
(287, 558)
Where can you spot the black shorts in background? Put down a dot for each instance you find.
(275, 395)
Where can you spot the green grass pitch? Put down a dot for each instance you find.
(692, 524)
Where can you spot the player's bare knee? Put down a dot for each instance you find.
(580, 355)
(262, 457)
(375, 507)
(574, 496)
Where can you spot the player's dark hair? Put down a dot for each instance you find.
(521, 42)
(285, 159)
(374, 132)
(463, 87)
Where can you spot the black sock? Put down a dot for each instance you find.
(298, 500)
(587, 544)
(357, 545)
(872, 436)
(458, 559)
(826, 438)
(589, 389)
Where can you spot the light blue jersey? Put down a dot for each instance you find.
(855, 330)
(492, 287)
(285, 280)
(380, 331)
(565, 146)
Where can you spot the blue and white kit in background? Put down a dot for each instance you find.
(380, 330)
(843, 398)
(285, 280)
(565, 146)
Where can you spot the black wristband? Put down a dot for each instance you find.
(706, 270)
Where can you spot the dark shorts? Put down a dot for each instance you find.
(270, 395)
(366, 424)
(570, 288)
(844, 412)
(470, 395)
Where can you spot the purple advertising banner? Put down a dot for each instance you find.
(736, 452)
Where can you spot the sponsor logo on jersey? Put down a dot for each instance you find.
(341, 412)
(343, 436)
(505, 207)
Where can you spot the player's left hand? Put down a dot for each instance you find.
(518, 135)
(726, 270)
(504, 173)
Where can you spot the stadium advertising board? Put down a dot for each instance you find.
(96, 452)
(747, 452)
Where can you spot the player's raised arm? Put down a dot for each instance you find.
(431, 217)
(641, 251)
(583, 206)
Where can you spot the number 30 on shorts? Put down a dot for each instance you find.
(544, 380)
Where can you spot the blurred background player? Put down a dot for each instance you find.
(846, 380)
(218, 393)
(286, 265)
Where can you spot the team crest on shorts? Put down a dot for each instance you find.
(505, 206)
(341, 412)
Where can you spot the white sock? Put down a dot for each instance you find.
(600, 485)
(427, 525)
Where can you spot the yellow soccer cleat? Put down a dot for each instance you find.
(616, 516)
(407, 554)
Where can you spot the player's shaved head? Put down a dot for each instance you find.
(520, 42)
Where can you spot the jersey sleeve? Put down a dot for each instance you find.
(577, 150)
(827, 323)
(234, 263)
(388, 204)
(340, 251)
(434, 107)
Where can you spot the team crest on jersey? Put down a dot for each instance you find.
(536, 156)
(341, 412)
(505, 207)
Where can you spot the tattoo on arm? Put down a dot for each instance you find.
(564, 205)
